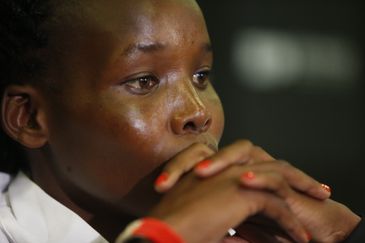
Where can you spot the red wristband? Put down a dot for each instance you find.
(156, 231)
(151, 229)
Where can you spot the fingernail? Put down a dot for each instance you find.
(249, 175)
(162, 178)
(309, 236)
(203, 165)
(327, 188)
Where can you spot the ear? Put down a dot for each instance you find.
(23, 118)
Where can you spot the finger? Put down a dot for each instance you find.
(277, 210)
(296, 178)
(236, 153)
(270, 181)
(258, 155)
(287, 220)
(180, 164)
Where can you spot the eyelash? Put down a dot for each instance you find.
(205, 75)
(145, 84)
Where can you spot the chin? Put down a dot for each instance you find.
(142, 197)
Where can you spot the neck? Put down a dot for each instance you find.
(108, 224)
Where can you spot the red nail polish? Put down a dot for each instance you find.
(327, 188)
(248, 175)
(161, 179)
(203, 165)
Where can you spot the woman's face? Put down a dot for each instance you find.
(131, 89)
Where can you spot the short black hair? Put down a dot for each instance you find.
(22, 35)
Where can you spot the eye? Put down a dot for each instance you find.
(201, 79)
(142, 85)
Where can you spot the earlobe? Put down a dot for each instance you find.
(22, 117)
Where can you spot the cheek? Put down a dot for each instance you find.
(106, 150)
(142, 131)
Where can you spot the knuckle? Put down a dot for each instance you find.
(244, 142)
(258, 152)
(284, 164)
(258, 149)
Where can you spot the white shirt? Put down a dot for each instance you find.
(29, 215)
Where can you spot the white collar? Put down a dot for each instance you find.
(29, 215)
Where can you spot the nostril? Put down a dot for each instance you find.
(207, 124)
(193, 126)
(190, 126)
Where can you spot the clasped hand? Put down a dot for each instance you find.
(208, 192)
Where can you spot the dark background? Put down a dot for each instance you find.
(291, 78)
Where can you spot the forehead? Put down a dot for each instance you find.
(137, 16)
(127, 22)
(88, 36)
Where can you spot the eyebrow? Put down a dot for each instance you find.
(143, 47)
(155, 46)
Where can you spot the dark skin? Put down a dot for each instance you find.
(126, 105)
(325, 220)
(140, 95)
(122, 96)
(125, 112)
(127, 90)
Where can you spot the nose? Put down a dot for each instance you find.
(191, 115)
(195, 123)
